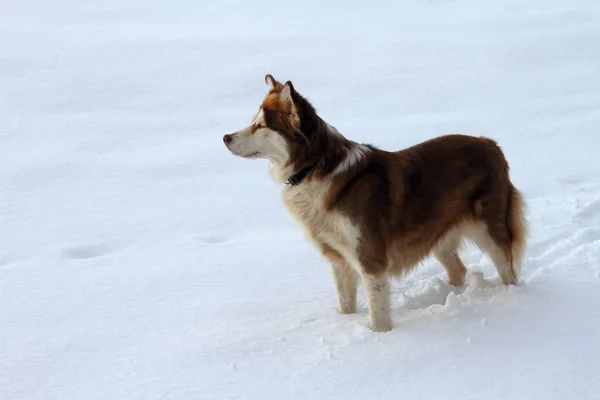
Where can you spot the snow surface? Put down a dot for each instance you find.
(140, 260)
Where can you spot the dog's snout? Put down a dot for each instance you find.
(227, 138)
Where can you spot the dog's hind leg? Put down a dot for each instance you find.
(502, 231)
(480, 234)
(446, 252)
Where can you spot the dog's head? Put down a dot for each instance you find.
(277, 131)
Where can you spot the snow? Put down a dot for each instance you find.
(140, 260)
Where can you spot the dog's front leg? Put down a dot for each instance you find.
(345, 280)
(377, 289)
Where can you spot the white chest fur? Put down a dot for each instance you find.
(305, 203)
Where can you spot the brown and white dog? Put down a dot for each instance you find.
(375, 213)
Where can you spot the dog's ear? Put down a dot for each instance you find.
(271, 82)
(286, 92)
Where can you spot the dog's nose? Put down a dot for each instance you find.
(227, 138)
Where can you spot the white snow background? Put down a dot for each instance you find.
(139, 259)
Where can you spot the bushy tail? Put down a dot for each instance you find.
(517, 227)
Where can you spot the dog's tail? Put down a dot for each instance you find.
(517, 229)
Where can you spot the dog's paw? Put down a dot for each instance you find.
(381, 326)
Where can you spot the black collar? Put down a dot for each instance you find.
(299, 177)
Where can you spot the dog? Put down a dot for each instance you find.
(376, 214)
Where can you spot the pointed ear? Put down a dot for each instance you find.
(271, 81)
(286, 92)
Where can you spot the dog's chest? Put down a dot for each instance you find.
(329, 227)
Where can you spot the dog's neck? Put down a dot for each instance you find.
(335, 149)
(278, 171)
(297, 178)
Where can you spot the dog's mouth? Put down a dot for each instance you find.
(237, 152)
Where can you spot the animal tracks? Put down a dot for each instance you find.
(93, 250)
(581, 247)
(86, 252)
(213, 239)
(589, 211)
(571, 242)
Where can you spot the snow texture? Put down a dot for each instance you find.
(139, 259)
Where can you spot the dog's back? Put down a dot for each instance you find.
(413, 201)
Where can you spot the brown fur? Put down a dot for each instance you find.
(406, 201)
(403, 205)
